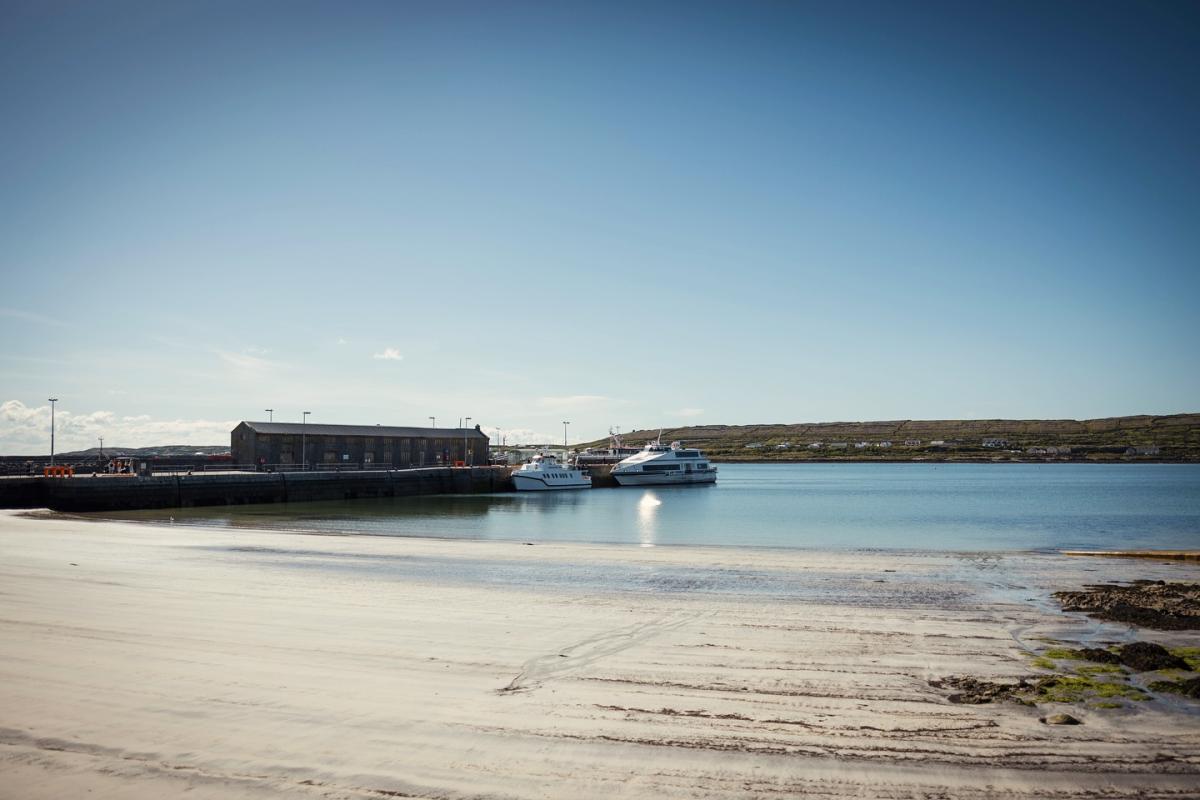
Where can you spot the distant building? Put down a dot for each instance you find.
(783, 445)
(754, 446)
(912, 442)
(279, 444)
(883, 444)
(861, 445)
(995, 442)
(1143, 450)
(838, 445)
(816, 445)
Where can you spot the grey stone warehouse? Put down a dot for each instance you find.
(382, 447)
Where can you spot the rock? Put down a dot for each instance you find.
(973, 691)
(1151, 604)
(1147, 656)
(1099, 654)
(1188, 688)
(1061, 719)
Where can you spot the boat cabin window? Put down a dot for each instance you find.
(687, 454)
(660, 468)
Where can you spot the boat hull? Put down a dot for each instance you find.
(663, 479)
(529, 483)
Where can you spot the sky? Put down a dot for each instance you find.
(614, 214)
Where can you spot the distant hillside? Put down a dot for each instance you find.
(1164, 438)
(158, 450)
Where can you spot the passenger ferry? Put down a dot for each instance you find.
(594, 456)
(543, 473)
(659, 464)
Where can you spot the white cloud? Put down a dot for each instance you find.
(515, 436)
(687, 412)
(25, 430)
(249, 359)
(389, 354)
(341, 340)
(574, 401)
(29, 316)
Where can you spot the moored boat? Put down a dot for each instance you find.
(544, 473)
(659, 464)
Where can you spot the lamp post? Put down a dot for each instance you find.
(303, 452)
(270, 411)
(467, 425)
(101, 438)
(52, 400)
(433, 422)
(565, 424)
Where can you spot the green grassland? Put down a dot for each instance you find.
(1177, 438)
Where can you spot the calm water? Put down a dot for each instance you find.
(825, 506)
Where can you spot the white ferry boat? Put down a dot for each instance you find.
(658, 464)
(594, 456)
(543, 472)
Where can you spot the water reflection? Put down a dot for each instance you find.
(647, 513)
(977, 507)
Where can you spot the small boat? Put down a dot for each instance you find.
(543, 473)
(659, 464)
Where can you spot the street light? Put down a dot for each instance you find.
(565, 424)
(433, 422)
(270, 411)
(303, 452)
(467, 425)
(52, 400)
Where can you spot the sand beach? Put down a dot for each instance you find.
(150, 661)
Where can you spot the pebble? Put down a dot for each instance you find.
(1061, 719)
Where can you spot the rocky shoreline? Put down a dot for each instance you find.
(1150, 604)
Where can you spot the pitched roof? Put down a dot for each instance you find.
(314, 429)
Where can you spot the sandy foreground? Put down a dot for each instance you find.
(158, 661)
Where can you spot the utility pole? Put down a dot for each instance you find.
(433, 422)
(52, 400)
(565, 424)
(270, 411)
(303, 452)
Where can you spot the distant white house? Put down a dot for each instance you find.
(816, 445)
(883, 444)
(995, 442)
(783, 445)
(1048, 451)
(937, 443)
(838, 445)
(754, 446)
(912, 442)
(1143, 450)
(861, 445)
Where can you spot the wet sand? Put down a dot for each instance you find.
(142, 661)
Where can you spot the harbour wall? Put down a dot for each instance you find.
(113, 493)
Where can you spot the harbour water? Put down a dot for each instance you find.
(935, 507)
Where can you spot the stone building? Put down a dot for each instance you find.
(269, 444)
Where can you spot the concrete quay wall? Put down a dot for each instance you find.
(108, 493)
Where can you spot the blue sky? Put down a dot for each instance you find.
(617, 214)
